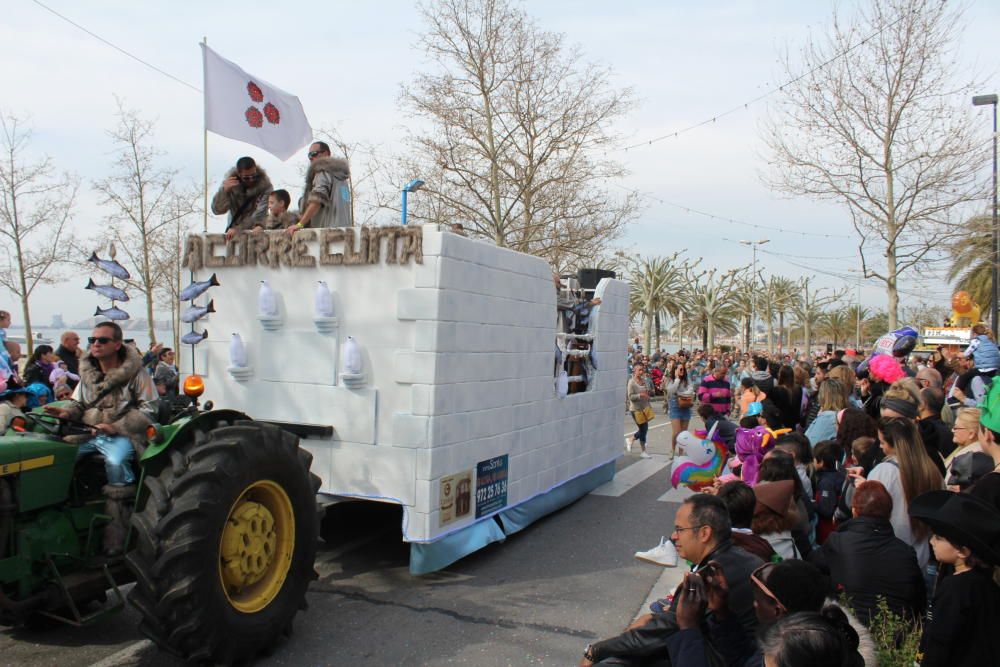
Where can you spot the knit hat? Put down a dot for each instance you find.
(990, 407)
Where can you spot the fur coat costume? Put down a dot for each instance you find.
(123, 397)
(249, 202)
(328, 184)
(283, 221)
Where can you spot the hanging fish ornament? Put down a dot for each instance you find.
(324, 300)
(110, 267)
(237, 352)
(350, 356)
(109, 291)
(113, 313)
(195, 313)
(194, 337)
(194, 290)
(267, 303)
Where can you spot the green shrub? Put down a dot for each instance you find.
(897, 639)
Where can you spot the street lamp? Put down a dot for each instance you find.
(979, 101)
(857, 334)
(753, 293)
(412, 186)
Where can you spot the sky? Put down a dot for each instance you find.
(685, 61)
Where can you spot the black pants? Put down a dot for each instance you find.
(640, 435)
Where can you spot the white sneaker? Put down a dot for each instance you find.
(665, 554)
(645, 455)
(628, 445)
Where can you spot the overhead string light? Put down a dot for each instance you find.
(795, 255)
(767, 93)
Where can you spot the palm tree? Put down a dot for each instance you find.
(710, 299)
(784, 293)
(810, 308)
(855, 314)
(971, 261)
(655, 282)
(838, 325)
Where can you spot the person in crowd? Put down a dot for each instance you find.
(69, 352)
(965, 436)
(761, 377)
(866, 561)
(749, 393)
(40, 366)
(968, 469)
(906, 472)
(243, 195)
(988, 488)
(830, 479)
(741, 501)
(931, 378)
(779, 465)
(326, 200)
(725, 430)
(798, 446)
(166, 372)
(151, 357)
(831, 401)
(12, 404)
(961, 625)
(5, 361)
(638, 405)
(782, 593)
(985, 355)
(774, 516)
(902, 400)
(117, 398)
(679, 400)
(716, 392)
(935, 432)
(702, 533)
(11, 370)
(60, 379)
(823, 639)
(865, 454)
(848, 383)
(854, 423)
(787, 396)
(278, 216)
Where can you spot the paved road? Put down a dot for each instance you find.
(537, 599)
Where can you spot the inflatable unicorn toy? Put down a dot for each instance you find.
(703, 460)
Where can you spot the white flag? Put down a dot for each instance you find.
(246, 108)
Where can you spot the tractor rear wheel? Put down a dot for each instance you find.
(225, 543)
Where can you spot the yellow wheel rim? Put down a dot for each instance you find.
(256, 548)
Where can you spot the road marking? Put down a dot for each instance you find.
(631, 433)
(129, 652)
(678, 495)
(632, 476)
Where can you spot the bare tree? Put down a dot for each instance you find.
(35, 205)
(872, 124)
(144, 202)
(167, 263)
(519, 124)
(370, 182)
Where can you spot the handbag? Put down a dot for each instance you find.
(643, 416)
(685, 401)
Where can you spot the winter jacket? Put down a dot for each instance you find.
(37, 372)
(651, 639)
(763, 380)
(866, 561)
(984, 351)
(824, 427)
(716, 393)
(283, 221)
(328, 184)
(246, 206)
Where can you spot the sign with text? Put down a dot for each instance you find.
(455, 497)
(491, 485)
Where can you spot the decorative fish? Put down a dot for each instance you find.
(267, 303)
(195, 313)
(194, 337)
(237, 352)
(112, 313)
(110, 266)
(194, 290)
(323, 300)
(109, 291)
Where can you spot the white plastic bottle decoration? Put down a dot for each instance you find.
(267, 304)
(237, 352)
(562, 384)
(324, 300)
(350, 356)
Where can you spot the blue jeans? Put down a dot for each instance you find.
(118, 454)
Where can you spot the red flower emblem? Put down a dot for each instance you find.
(254, 117)
(271, 113)
(256, 94)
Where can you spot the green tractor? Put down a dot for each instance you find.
(221, 542)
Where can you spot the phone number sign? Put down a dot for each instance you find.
(491, 485)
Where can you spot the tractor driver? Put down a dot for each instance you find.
(117, 398)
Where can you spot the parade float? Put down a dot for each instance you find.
(418, 367)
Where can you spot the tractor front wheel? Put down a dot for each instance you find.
(225, 543)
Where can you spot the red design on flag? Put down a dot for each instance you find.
(254, 91)
(271, 113)
(254, 117)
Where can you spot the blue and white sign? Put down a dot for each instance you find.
(491, 485)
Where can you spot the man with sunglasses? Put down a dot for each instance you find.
(702, 534)
(326, 201)
(243, 195)
(117, 399)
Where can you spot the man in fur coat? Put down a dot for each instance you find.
(326, 201)
(243, 195)
(117, 398)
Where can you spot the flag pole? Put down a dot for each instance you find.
(204, 127)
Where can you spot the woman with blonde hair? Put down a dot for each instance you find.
(906, 472)
(847, 380)
(831, 401)
(965, 435)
